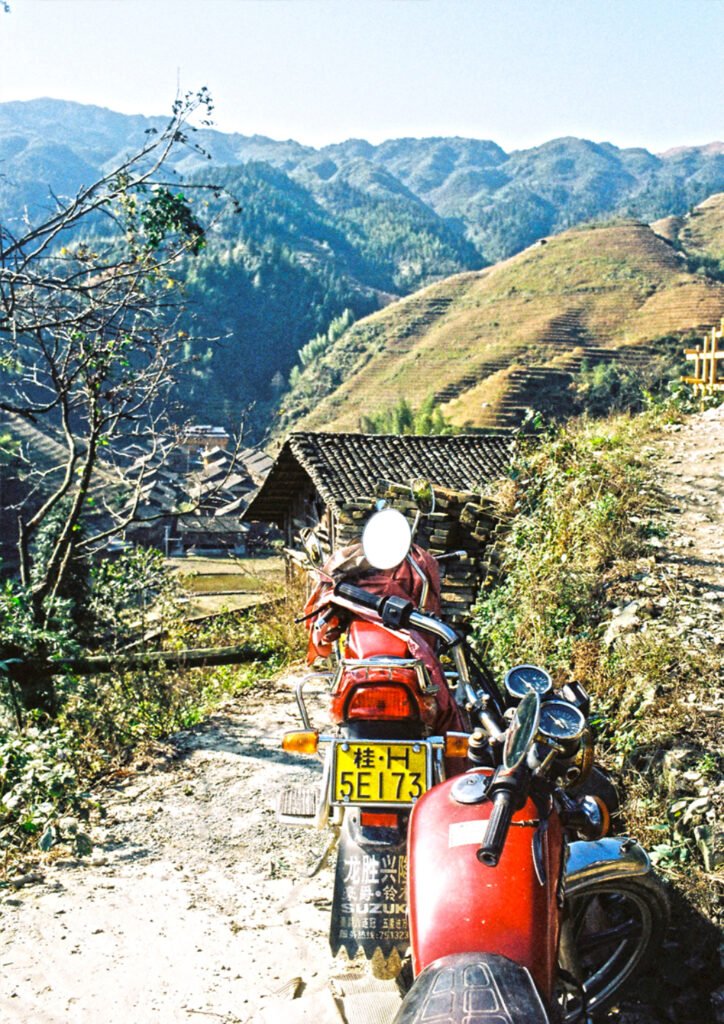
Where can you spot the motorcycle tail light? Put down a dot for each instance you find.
(377, 820)
(300, 742)
(380, 703)
(456, 744)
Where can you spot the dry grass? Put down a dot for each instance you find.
(703, 232)
(576, 549)
(583, 506)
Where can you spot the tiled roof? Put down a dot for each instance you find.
(224, 524)
(42, 449)
(257, 462)
(346, 467)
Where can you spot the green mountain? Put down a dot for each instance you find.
(500, 201)
(349, 226)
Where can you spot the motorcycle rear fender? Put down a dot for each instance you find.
(476, 987)
(604, 860)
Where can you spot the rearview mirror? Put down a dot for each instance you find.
(522, 731)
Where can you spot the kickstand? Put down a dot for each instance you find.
(324, 857)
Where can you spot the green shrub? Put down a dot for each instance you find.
(39, 782)
(403, 419)
(577, 494)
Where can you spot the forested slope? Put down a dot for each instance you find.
(349, 226)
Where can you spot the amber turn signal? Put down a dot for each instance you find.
(456, 744)
(300, 742)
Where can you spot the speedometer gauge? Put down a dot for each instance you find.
(560, 720)
(522, 679)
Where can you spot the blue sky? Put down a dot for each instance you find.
(631, 72)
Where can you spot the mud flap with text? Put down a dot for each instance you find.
(369, 909)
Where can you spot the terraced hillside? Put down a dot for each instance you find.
(701, 232)
(488, 344)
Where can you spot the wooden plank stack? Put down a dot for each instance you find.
(460, 521)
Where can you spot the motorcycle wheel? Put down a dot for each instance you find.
(616, 927)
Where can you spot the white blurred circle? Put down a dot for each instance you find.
(386, 539)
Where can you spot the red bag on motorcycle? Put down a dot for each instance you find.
(402, 581)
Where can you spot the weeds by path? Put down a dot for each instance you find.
(593, 589)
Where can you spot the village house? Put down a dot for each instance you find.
(330, 482)
(316, 476)
(186, 495)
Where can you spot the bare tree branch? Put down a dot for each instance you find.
(88, 353)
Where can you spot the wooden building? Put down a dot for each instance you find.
(330, 482)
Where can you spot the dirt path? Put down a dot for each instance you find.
(691, 477)
(194, 905)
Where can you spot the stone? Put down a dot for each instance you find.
(673, 765)
(625, 620)
(696, 810)
(678, 807)
(711, 846)
(30, 878)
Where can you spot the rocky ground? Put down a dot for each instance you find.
(193, 904)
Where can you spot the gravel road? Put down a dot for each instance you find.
(194, 904)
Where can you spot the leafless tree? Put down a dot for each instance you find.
(88, 345)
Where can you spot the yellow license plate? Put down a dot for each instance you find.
(395, 774)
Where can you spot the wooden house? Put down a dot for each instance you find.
(330, 482)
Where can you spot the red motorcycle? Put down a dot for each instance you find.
(522, 924)
(401, 726)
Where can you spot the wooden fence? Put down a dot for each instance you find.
(708, 375)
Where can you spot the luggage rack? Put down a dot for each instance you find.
(382, 661)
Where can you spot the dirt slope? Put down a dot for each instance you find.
(194, 905)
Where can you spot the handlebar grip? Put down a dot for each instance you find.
(362, 597)
(497, 830)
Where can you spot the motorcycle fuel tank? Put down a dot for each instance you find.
(458, 905)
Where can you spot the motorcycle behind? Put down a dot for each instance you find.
(400, 720)
(457, 832)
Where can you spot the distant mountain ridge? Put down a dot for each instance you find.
(501, 202)
(348, 226)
